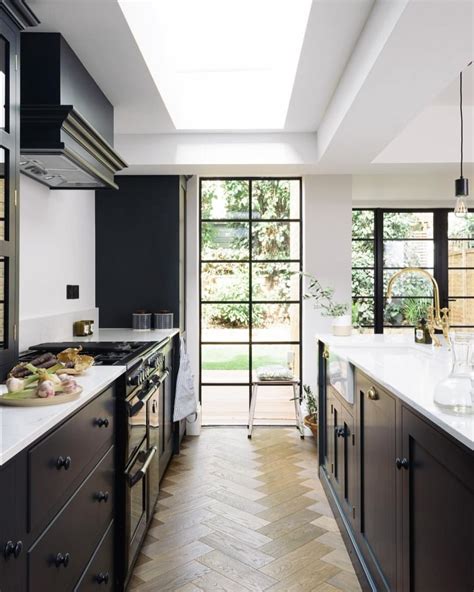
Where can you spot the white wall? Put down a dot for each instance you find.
(192, 282)
(327, 253)
(57, 247)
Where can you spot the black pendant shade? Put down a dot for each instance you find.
(462, 187)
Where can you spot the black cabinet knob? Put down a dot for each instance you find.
(102, 422)
(63, 462)
(103, 578)
(12, 548)
(340, 432)
(62, 559)
(102, 496)
(402, 463)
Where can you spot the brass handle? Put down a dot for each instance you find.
(326, 353)
(372, 394)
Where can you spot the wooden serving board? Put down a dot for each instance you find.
(41, 402)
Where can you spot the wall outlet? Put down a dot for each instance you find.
(72, 292)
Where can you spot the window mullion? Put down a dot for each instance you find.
(440, 237)
(378, 275)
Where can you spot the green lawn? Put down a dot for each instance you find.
(230, 357)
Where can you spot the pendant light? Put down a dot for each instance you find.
(461, 185)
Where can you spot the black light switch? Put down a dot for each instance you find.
(72, 292)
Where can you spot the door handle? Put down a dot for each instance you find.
(402, 463)
(138, 476)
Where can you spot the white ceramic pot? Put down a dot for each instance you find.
(342, 326)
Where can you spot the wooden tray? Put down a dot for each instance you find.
(39, 402)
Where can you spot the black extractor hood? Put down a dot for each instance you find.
(66, 120)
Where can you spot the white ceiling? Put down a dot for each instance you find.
(367, 70)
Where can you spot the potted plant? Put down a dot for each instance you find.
(311, 420)
(323, 300)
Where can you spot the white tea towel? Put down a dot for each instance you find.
(185, 403)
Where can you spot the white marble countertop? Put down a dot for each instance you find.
(21, 426)
(128, 335)
(408, 370)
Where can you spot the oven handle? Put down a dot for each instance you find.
(143, 399)
(162, 378)
(138, 476)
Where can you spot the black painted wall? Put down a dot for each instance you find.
(137, 248)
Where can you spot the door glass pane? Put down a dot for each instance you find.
(3, 194)
(398, 225)
(276, 322)
(363, 253)
(408, 253)
(408, 284)
(4, 95)
(3, 293)
(225, 199)
(461, 227)
(461, 282)
(228, 405)
(225, 240)
(406, 311)
(225, 363)
(276, 240)
(225, 281)
(281, 354)
(225, 322)
(461, 253)
(275, 281)
(363, 311)
(363, 223)
(276, 198)
(362, 282)
(461, 311)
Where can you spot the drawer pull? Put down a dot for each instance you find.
(103, 578)
(372, 394)
(62, 559)
(102, 422)
(402, 463)
(102, 496)
(63, 462)
(12, 548)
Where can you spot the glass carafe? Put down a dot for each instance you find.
(455, 394)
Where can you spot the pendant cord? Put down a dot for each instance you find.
(462, 121)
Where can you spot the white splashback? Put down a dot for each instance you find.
(54, 327)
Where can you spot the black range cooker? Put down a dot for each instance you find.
(139, 432)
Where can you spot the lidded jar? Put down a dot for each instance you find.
(455, 394)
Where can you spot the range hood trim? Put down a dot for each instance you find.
(20, 13)
(64, 118)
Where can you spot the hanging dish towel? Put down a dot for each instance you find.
(185, 403)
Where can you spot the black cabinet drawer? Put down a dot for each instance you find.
(57, 463)
(99, 574)
(57, 559)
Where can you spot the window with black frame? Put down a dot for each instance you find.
(250, 293)
(386, 241)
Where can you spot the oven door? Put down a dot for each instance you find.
(136, 479)
(137, 417)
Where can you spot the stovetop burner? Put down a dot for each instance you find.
(105, 353)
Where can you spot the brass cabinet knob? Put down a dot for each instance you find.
(326, 352)
(372, 394)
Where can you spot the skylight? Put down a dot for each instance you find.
(221, 64)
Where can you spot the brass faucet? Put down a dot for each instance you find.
(438, 318)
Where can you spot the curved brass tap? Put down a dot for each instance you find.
(438, 318)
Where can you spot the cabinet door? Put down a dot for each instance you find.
(12, 535)
(378, 476)
(438, 510)
(330, 434)
(166, 408)
(9, 145)
(347, 438)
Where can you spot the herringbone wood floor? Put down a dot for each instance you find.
(238, 515)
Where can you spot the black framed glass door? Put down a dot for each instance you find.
(250, 291)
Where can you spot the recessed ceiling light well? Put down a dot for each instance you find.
(221, 64)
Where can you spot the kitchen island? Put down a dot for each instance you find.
(398, 471)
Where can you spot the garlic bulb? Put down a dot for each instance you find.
(15, 384)
(45, 389)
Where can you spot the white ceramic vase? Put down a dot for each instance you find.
(342, 326)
